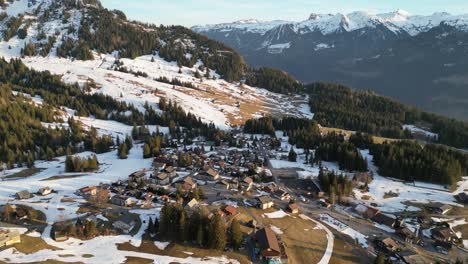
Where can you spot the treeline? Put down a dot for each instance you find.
(177, 223)
(337, 186)
(411, 161)
(79, 164)
(339, 106)
(274, 80)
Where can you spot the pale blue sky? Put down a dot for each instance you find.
(195, 12)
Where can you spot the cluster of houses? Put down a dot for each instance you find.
(25, 194)
(442, 235)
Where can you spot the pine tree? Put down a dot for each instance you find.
(217, 233)
(183, 226)
(90, 229)
(69, 167)
(380, 259)
(236, 234)
(146, 151)
(122, 151)
(292, 155)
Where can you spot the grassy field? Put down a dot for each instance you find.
(59, 177)
(345, 252)
(347, 133)
(24, 173)
(303, 243)
(31, 245)
(177, 250)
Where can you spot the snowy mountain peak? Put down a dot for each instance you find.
(248, 21)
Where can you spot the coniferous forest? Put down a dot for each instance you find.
(411, 161)
(342, 107)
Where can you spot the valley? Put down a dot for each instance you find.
(127, 142)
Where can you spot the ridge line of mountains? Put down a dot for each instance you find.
(419, 60)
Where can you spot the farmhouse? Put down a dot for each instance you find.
(438, 208)
(384, 219)
(44, 191)
(387, 244)
(90, 190)
(282, 195)
(443, 234)
(268, 244)
(265, 202)
(162, 178)
(9, 237)
(23, 195)
(209, 175)
(121, 200)
(124, 225)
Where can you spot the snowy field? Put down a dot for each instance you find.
(406, 192)
(343, 228)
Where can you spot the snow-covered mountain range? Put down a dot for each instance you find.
(398, 21)
(420, 60)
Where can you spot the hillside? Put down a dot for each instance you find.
(78, 40)
(418, 60)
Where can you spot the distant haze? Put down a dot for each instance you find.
(196, 12)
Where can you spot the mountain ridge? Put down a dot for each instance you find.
(329, 23)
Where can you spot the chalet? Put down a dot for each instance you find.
(267, 243)
(137, 177)
(187, 184)
(282, 195)
(230, 210)
(387, 244)
(438, 208)
(118, 189)
(171, 172)
(192, 204)
(162, 178)
(293, 208)
(209, 175)
(124, 224)
(44, 191)
(247, 184)
(384, 219)
(222, 184)
(407, 235)
(121, 200)
(269, 188)
(23, 195)
(462, 197)
(410, 257)
(58, 234)
(89, 190)
(265, 202)
(366, 211)
(158, 165)
(9, 237)
(443, 234)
